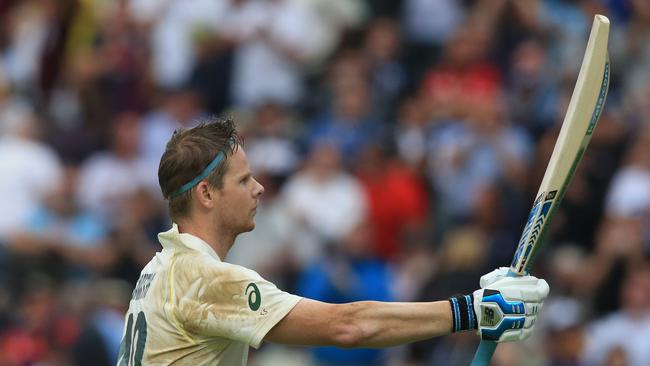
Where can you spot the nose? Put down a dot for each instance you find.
(259, 189)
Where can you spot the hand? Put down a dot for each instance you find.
(506, 307)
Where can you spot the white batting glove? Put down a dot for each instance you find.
(492, 277)
(506, 308)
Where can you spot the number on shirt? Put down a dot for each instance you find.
(132, 347)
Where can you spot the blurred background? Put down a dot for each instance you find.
(401, 144)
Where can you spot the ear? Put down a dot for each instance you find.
(203, 194)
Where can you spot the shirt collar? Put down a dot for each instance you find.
(172, 238)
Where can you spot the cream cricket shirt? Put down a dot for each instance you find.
(190, 308)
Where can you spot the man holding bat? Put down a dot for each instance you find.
(190, 307)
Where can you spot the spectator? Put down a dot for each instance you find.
(411, 132)
(348, 126)
(348, 273)
(629, 195)
(627, 329)
(316, 196)
(99, 341)
(29, 167)
(476, 152)
(532, 91)
(464, 75)
(388, 76)
(108, 178)
(274, 39)
(397, 198)
(428, 25)
(40, 331)
(60, 227)
(171, 27)
(501, 232)
(212, 74)
(271, 150)
(564, 340)
(25, 43)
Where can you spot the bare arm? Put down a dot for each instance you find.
(361, 324)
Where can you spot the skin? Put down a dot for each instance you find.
(217, 216)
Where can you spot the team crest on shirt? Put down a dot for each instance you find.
(254, 296)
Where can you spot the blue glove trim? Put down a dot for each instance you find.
(506, 323)
(470, 312)
(507, 307)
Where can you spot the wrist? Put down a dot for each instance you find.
(463, 317)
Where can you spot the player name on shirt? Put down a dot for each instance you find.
(142, 286)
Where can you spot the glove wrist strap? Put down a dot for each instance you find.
(463, 316)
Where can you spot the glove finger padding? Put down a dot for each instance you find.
(507, 309)
(492, 277)
(527, 288)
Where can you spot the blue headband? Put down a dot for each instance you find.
(208, 169)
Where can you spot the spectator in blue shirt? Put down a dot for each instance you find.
(348, 273)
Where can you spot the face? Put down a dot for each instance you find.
(635, 290)
(237, 199)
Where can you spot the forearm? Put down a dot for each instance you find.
(361, 324)
(385, 324)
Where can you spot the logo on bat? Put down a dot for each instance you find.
(533, 229)
(601, 100)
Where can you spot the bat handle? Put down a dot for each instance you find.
(484, 353)
(486, 349)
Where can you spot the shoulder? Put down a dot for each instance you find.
(190, 267)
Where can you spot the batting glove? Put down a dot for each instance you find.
(504, 309)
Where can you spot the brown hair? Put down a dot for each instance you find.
(188, 153)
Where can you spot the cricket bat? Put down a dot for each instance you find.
(578, 126)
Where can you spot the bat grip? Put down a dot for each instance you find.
(484, 353)
(486, 349)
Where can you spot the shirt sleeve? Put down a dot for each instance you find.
(216, 299)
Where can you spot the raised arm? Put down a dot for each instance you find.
(505, 310)
(361, 324)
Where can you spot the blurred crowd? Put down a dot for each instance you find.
(401, 144)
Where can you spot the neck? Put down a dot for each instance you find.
(220, 240)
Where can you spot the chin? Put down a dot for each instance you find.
(249, 227)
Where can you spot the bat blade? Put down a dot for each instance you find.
(582, 114)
